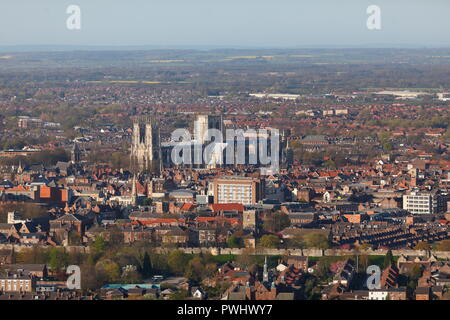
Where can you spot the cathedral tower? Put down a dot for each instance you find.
(145, 146)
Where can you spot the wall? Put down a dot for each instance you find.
(307, 252)
(261, 251)
(19, 248)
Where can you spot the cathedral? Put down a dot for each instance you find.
(148, 153)
(146, 146)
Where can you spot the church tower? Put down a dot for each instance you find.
(205, 122)
(75, 154)
(145, 146)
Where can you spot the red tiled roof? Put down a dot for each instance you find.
(212, 219)
(16, 188)
(188, 206)
(216, 207)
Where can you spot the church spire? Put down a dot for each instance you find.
(133, 192)
(265, 272)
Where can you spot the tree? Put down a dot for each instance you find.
(312, 289)
(120, 160)
(149, 296)
(297, 242)
(364, 261)
(316, 240)
(99, 246)
(131, 276)
(413, 276)
(177, 261)
(146, 265)
(49, 157)
(115, 237)
(76, 257)
(218, 290)
(246, 259)
(111, 270)
(388, 259)
(74, 238)
(91, 279)
(422, 245)
(269, 241)
(126, 258)
(322, 271)
(27, 211)
(195, 270)
(34, 255)
(235, 241)
(57, 259)
(276, 222)
(179, 295)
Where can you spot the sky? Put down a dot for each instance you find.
(226, 23)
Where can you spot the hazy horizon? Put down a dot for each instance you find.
(209, 24)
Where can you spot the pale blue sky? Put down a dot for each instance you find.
(226, 23)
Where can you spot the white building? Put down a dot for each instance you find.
(424, 203)
(236, 189)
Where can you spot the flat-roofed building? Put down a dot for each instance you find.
(235, 189)
(424, 203)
